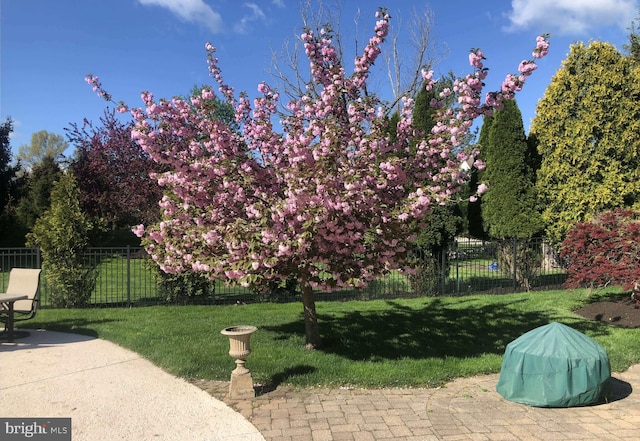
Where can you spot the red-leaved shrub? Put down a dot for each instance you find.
(604, 251)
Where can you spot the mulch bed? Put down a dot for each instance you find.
(618, 312)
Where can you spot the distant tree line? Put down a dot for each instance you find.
(109, 169)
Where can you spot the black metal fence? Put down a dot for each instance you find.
(127, 277)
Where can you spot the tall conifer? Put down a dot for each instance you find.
(509, 206)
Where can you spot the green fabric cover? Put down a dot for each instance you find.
(554, 366)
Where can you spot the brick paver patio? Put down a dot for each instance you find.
(465, 409)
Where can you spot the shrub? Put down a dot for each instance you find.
(278, 291)
(69, 285)
(604, 251)
(184, 288)
(428, 276)
(528, 260)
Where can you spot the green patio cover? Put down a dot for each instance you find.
(554, 366)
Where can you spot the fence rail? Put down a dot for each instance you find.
(125, 276)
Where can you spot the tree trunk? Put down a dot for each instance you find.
(311, 328)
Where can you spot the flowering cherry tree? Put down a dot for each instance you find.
(329, 198)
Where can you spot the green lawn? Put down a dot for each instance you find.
(414, 342)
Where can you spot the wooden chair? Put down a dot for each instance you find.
(23, 281)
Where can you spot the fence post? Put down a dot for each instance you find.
(515, 279)
(457, 268)
(443, 268)
(128, 276)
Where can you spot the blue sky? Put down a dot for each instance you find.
(47, 47)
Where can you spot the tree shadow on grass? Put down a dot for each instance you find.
(436, 329)
(80, 326)
(431, 331)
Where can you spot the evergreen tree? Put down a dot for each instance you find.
(509, 206)
(423, 113)
(475, 223)
(633, 47)
(37, 198)
(8, 171)
(393, 126)
(10, 190)
(62, 233)
(587, 127)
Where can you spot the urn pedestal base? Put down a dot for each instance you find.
(241, 386)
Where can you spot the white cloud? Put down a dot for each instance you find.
(570, 17)
(255, 14)
(278, 3)
(193, 11)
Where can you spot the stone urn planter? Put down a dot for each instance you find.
(241, 386)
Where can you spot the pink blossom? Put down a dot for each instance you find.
(542, 46)
(138, 230)
(207, 94)
(527, 67)
(475, 58)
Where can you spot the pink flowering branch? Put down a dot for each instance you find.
(453, 124)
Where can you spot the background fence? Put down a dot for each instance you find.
(127, 277)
